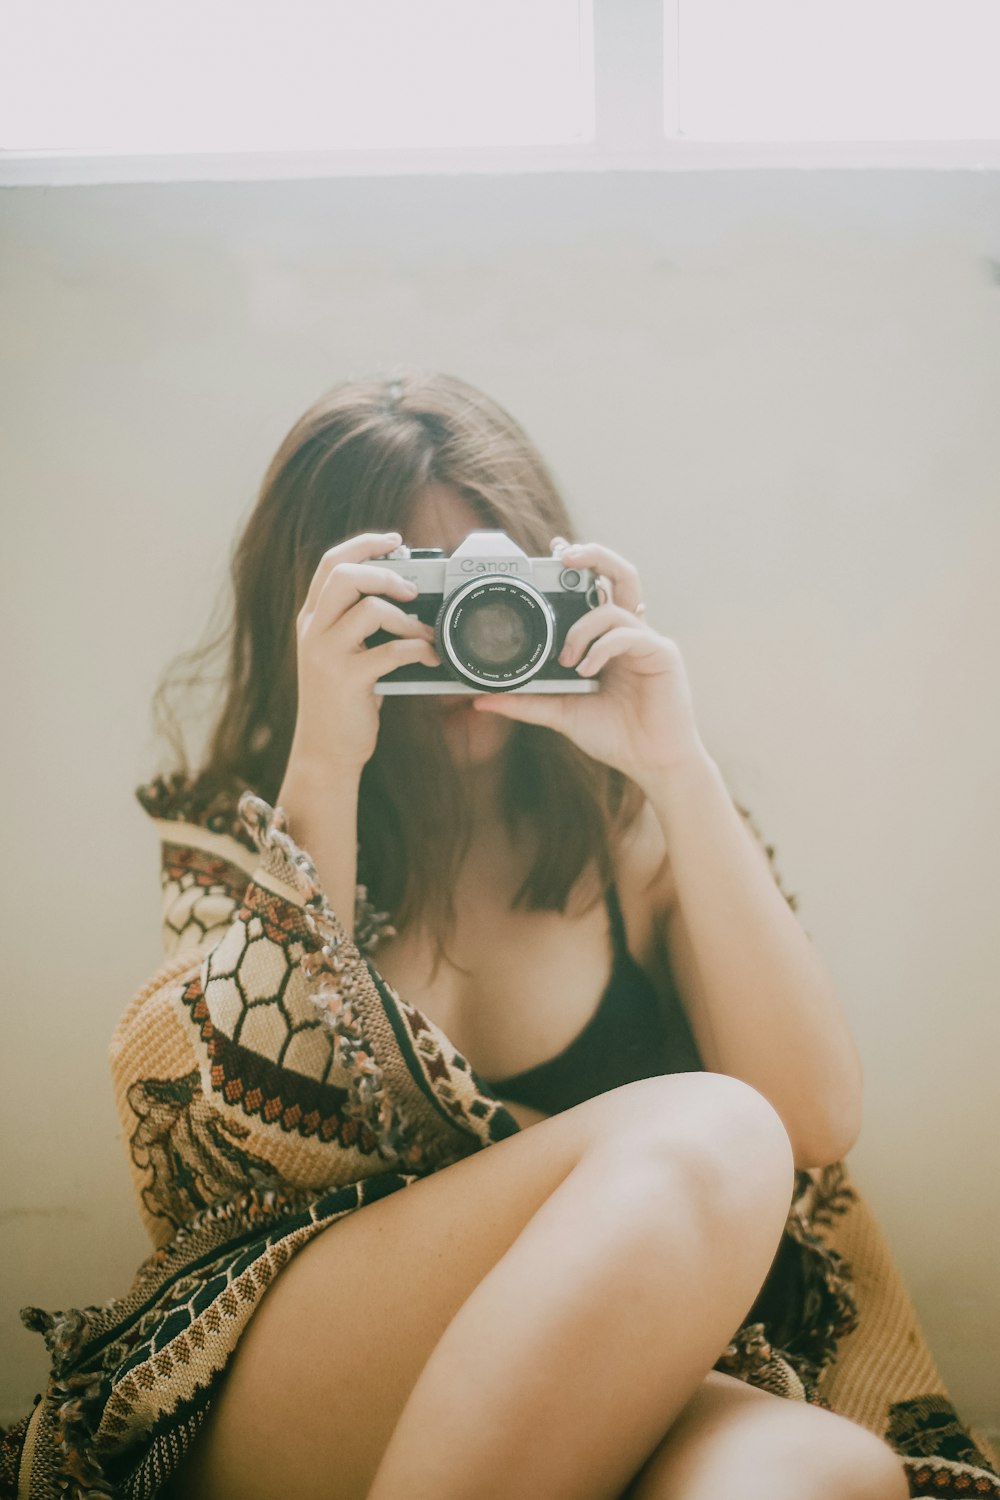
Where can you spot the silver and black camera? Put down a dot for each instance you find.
(500, 618)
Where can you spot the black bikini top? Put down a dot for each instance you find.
(632, 1034)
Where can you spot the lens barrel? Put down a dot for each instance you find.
(495, 632)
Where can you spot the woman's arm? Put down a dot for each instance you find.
(322, 812)
(761, 1004)
(337, 712)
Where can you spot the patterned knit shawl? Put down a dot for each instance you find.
(269, 1081)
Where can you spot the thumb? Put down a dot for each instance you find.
(529, 708)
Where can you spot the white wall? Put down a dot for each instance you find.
(779, 390)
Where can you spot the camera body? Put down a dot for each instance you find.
(500, 618)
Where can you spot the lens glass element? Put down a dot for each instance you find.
(496, 632)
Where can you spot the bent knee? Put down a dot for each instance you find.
(706, 1110)
(875, 1470)
(828, 1456)
(721, 1131)
(730, 1430)
(852, 1464)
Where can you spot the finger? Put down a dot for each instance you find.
(549, 709)
(584, 631)
(375, 613)
(349, 582)
(378, 660)
(616, 642)
(623, 575)
(354, 550)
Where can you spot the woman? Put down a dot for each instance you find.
(546, 1317)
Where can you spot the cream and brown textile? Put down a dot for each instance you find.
(269, 1082)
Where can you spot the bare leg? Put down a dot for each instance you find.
(733, 1439)
(684, 1185)
(562, 1369)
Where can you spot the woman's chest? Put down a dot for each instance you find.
(516, 987)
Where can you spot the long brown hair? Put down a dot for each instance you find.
(357, 461)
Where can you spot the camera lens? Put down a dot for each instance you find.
(495, 632)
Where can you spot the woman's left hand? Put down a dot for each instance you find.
(641, 720)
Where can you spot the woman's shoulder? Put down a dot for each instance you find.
(642, 865)
(639, 872)
(642, 860)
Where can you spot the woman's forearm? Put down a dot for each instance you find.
(761, 1003)
(322, 810)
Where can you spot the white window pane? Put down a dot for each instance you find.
(216, 75)
(835, 70)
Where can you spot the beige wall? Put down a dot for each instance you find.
(779, 390)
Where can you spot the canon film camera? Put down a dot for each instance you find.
(500, 618)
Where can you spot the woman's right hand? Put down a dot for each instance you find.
(336, 726)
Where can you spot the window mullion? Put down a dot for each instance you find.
(628, 76)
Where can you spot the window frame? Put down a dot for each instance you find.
(633, 64)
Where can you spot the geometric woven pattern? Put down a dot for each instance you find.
(257, 994)
(199, 891)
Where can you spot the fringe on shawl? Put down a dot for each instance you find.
(233, 808)
(342, 970)
(90, 1347)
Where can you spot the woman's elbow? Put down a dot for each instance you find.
(830, 1141)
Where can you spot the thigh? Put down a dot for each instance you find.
(326, 1363)
(733, 1438)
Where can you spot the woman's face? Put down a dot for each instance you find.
(442, 518)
